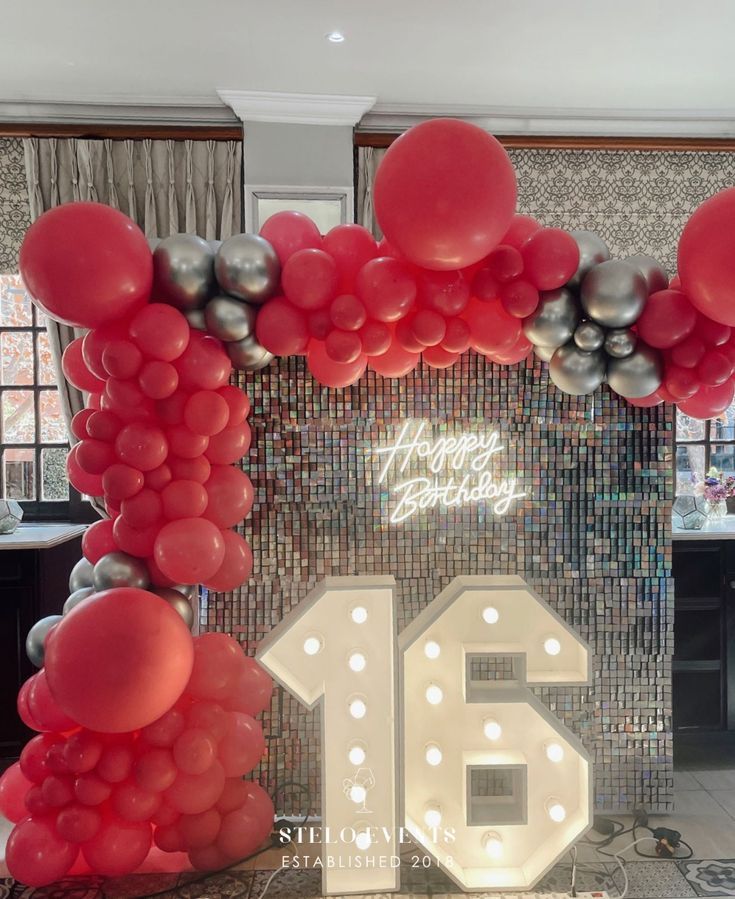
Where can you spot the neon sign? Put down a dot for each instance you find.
(460, 471)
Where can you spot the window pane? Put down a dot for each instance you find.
(53, 429)
(689, 468)
(19, 469)
(16, 357)
(688, 428)
(18, 420)
(46, 373)
(722, 458)
(723, 427)
(54, 483)
(15, 304)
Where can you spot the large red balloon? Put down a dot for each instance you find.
(706, 259)
(189, 550)
(310, 279)
(445, 194)
(550, 258)
(160, 331)
(86, 264)
(667, 318)
(139, 649)
(708, 402)
(36, 855)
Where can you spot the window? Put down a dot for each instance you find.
(701, 445)
(32, 429)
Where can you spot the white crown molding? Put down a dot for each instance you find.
(297, 109)
(120, 109)
(539, 121)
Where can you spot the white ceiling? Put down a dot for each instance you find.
(665, 55)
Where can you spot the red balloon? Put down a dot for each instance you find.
(160, 332)
(131, 803)
(438, 357)
(91, 790)
(210, 716)
(310, 279)
(142, 510)
(395, 362)
(375, 338)
(238, 403)
(646, 402)
(76, 370)
(204, 364)
(550, 258)
(343, 346)
(218, 660)
(492, 329)
(405, 337)
(689, 352)
(33, 756)
(252, 691)
(189, 550)
(521, 350)
(281, 328)
(121, 359)
(164, 730)
(44, 709)
(198, 831)
(331, 373)
(121, 481)
(95, 341)
(170, 411)
(158, 380)
(445, 292)
(123, 397)
(82, 752)
(118, 848)
(230, 493)
(230, 445)
(708, 402)
(183, 442)
(155, 770)
(184, 499)
(135, 541)
(89, 484)
(667, 318)
(457, 336)
(98, 540)
(120, 637)
(319, 323)
(347, 312)
(236, 566)
(35, 854)
(714, 369)
(103, 425)
(168, 838)
(194, 751)
(78, 823)
(86, 263)
(164, 815)
(505, 263)
(522, 227)
(485, 286)
(519, 298)
(116, 762)
(192, 794)
(681, 382)
(289, 232)
(428, 327)
(234, 795)
(57, 790)
(79, 423)
(712, 333)
(206, 412)
(244, 830)
(351, 246)
(142, 446)
(445, 193)
(13, 788)
(387, 288)
(197, 469)
(706, 258)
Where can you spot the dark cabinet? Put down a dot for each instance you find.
(33, 584)
(703, 687)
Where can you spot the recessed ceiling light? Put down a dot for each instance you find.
(335, 37)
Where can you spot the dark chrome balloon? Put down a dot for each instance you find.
(592, 251)
(555, 319)
(637, 375)
(183, 267)
(81, 575)
(75, 598)
(620, 342)
(247, 267)
(118, 569)
(652, 271)
(229, 319)
(589, 336)
(545, 352)
(248, 354)
(36, 639)
(576, 372)
(179, 603)
(614, 293)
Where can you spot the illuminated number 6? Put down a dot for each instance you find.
(495, 788)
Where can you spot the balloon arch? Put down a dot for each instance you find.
(145, 732)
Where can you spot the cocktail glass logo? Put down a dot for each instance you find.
(356, 789)
(460, 471)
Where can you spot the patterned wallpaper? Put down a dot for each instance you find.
(592, 537)
(15, 216)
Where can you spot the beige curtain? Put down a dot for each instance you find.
(166, 186)
(368, 159)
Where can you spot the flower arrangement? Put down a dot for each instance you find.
(716, 488)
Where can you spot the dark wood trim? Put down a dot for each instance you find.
(154, 132)
(381, 140)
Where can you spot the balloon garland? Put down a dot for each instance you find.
(145, 732)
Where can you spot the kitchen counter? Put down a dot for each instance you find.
(43, 535)
(719, 529)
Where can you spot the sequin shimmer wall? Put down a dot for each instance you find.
(591, 536)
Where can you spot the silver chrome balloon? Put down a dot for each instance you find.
(555, 319)
(620, 342)
(248, 354)
(247, 266)
(76, 597)
(35, 649)
(229, 319)
(576, 372)
(614, 293)
(81, 575)
(179, 603)
(183, 268)
(545, 352)
(638, 374)
(118, 569)
(189, 590)
(589, 336)
(196, 319)
(652, 271)
(592, 251)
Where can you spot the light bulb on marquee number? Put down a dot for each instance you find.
(357, 661)
(409, 758)
(312, 645)
(433, 816)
